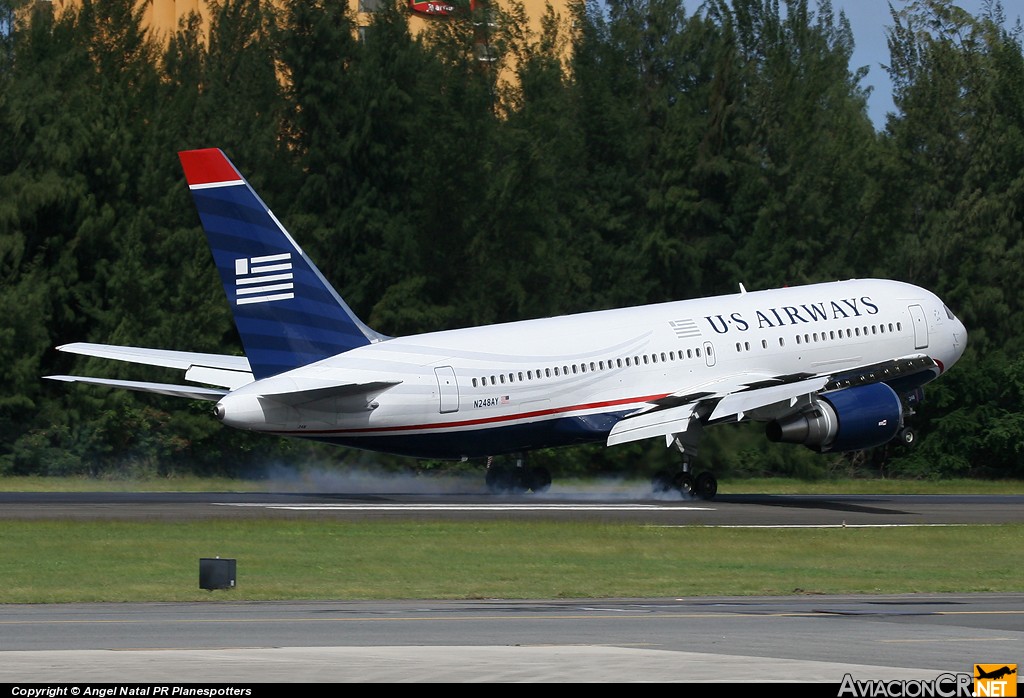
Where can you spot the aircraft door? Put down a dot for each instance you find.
(920, 327)
(447, 388)
(709, 354)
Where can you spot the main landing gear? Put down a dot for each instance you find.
(517, 478)
(701, 486)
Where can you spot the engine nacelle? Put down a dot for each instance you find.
(844, 420)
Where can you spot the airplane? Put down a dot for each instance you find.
(995, 674)
(835, 366)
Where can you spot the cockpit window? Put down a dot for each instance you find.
(949, 313)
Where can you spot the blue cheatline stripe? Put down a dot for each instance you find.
(278, 332)
(489, 441)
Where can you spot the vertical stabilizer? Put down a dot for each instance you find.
(286, 312)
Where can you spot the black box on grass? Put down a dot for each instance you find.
(216, 573)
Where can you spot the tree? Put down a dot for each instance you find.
(953, 188)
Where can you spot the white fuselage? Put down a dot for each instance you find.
(509, 387)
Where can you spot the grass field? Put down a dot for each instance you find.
(64, 561)
(56, 561)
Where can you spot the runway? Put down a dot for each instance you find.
(724, 510)
(786, 639)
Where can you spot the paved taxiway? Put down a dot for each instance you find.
(800, 638)
(792, 639)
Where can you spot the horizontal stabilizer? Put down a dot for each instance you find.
(158, 357)
(650, 424)
(188, 391)
(224, 370)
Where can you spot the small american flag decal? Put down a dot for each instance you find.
(684, 329)
(263, 279)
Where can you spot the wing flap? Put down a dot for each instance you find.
(671, 420)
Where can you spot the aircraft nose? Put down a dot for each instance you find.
(958, 340)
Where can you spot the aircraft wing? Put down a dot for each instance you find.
(226, 371)
(738, 395)
(730, 395)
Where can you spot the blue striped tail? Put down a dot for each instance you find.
(286, 312)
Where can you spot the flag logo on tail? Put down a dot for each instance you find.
(263, 279)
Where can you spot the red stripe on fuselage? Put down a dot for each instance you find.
(207, 166)
(477, 422)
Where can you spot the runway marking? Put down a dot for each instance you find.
(842, 525)
(469, 507)
(957, 639)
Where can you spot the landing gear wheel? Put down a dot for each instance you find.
(496, 480)
(538, 479)
(505, 480)
(707, 486)
(907, 437)
(683, 482)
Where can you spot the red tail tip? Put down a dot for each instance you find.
(207, 166)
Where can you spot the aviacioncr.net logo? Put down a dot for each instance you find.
(947, 685)
(995, 680)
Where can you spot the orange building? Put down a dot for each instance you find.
(164, 15)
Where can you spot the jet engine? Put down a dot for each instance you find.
(844, 420)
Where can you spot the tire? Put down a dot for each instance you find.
(707, 486)
(683, 482)
(538, 480)
(505, 480)
(908, 437)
